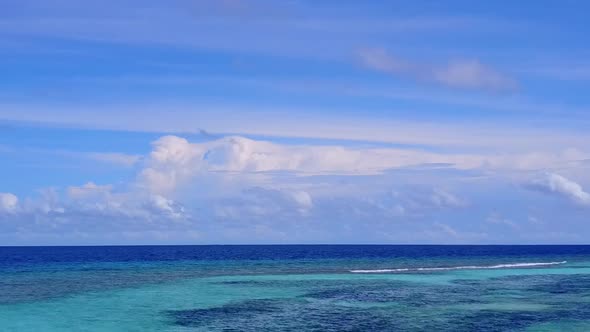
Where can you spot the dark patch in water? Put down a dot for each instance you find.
(282, 315)
(232, 311)
(338, 306)
(403, 293)
(575, 284)
(294, 315)
(496, 321)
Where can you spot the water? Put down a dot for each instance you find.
(295, 288)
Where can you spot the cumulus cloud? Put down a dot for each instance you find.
(90, 207)
(260, 185)
(102, 200)
(469, 74)
(176, 167)
(172, 161)
(175, 162)
(555, 184)
(167, 207)
(8, 203)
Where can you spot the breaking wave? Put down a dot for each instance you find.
(467, 267)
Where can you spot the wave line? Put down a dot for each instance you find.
(466, 267)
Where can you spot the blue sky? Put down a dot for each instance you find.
(245, 121)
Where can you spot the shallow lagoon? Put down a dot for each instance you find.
(303, 288)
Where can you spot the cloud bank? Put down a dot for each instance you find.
(235, 188)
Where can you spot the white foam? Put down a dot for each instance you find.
(467, 267)
(379, 271)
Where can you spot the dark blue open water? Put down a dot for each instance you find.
(295, 288)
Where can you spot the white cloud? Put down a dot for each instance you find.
(174, 150)
(240, 179)
(101, 200)
(167, 207)
(8, 203)
(90, 206)
(175, 161)
(469, 74)
(555, 184)
(253, 185)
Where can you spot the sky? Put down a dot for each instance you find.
(295, 121)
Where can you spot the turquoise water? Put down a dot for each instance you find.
(299, 288)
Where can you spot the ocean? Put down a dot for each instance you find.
(295, 288)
